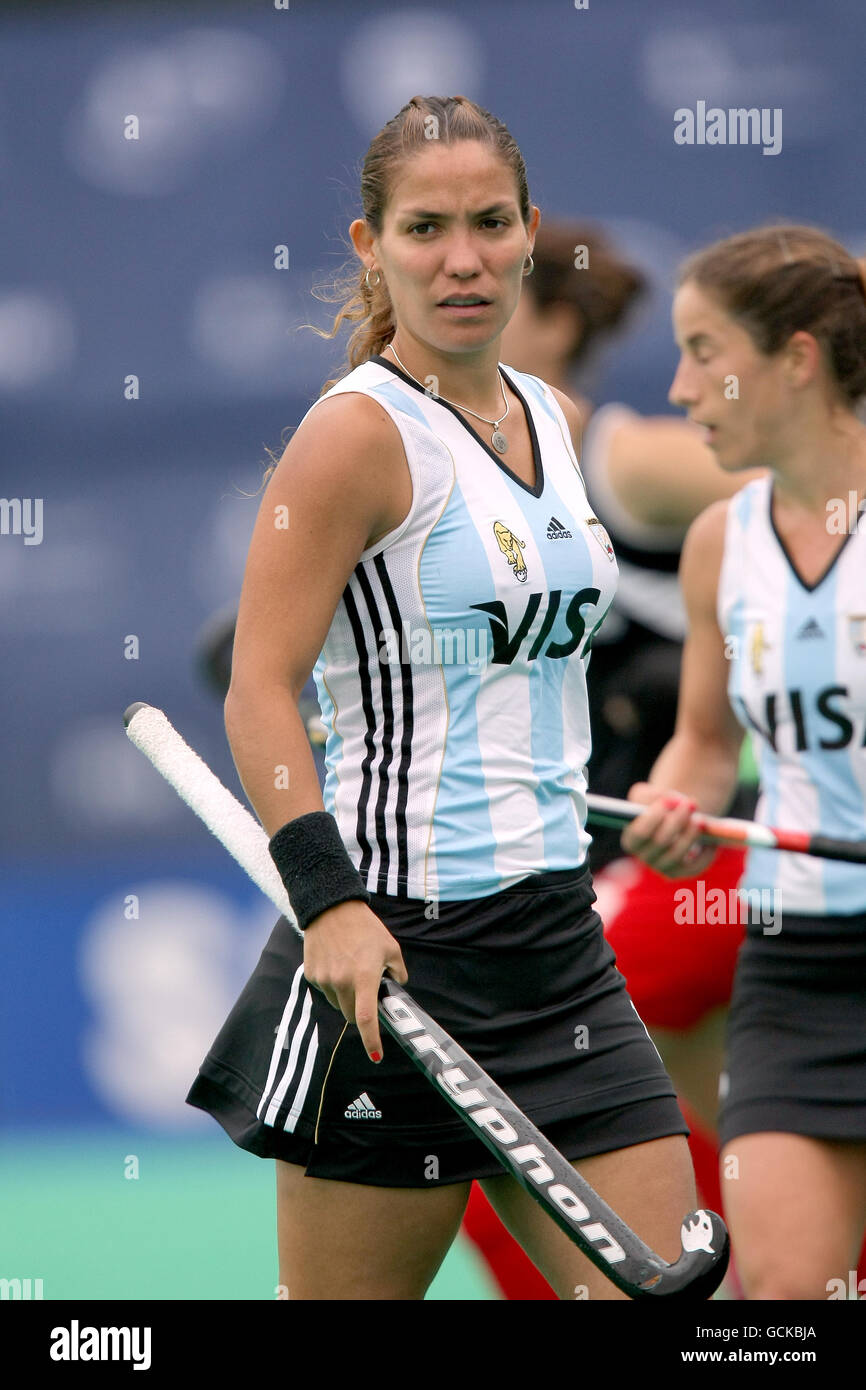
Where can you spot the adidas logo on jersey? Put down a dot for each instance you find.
(810, 628)
(556, 531)
(362, 1109)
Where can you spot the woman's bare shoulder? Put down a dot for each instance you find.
(353, 417)
(702, 553)
(348, 454)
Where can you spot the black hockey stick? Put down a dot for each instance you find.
(547, 1176)
(519, 1146)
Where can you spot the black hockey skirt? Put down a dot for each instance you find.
(523, 979)
(796, 1044)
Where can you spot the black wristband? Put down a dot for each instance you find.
(314, 866)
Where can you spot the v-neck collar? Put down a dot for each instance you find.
(497, 458)
(809, 588)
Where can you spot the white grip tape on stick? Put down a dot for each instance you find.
(201, 789)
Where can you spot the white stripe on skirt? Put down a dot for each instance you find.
(303, 1087)
(281, 1037)
(291, 1064)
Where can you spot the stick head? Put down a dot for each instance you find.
(700, 1269)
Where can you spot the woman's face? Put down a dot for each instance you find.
(452, 228)
(741, 396)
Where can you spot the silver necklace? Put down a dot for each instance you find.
(498, 440)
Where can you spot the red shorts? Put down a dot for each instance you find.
(678, 965)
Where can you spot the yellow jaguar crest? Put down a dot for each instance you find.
(511, 547)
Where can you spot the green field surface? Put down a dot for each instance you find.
(198, 1222)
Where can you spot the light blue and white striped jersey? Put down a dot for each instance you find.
(798, 682)
(452, 681)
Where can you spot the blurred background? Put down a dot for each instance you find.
(150, 352)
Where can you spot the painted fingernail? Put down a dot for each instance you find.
(671, 802)
(375, 1056)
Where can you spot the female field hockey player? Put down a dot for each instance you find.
(771, 326)
(646, 479)
(401, 552)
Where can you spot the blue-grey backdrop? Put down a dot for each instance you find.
(155, 258)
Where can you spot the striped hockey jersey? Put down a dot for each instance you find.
(452, 681)
(798, 682)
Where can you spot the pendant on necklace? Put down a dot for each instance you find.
(499, 442)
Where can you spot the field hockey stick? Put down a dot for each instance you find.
(725, 830)
(519, 1146)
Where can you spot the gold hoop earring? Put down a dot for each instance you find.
(367, 278)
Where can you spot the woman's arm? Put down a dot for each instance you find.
(573, 417)
(701, 760)
(658, 467)
(342, 482)
(663, 474)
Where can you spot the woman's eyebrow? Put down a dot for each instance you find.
(444, 216)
